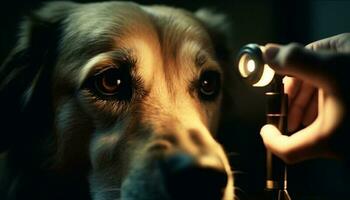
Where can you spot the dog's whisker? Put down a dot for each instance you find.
(236, 197)
(232, 154)
(237, 172)
(241, 191)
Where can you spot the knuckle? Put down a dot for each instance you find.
(340, 43)
(292, 51)
(345, 36)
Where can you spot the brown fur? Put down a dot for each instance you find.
(115, 143)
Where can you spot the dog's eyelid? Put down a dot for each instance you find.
(209, 64)
(99, 70)
(125, 63)
(203, 59)
(212, 68)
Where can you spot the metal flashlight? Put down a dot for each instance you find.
(252, 69)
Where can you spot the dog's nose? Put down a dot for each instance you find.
(189, 178)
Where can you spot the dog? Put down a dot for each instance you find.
(115, 100)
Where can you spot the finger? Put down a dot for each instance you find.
(311, 110)
(337, 43)
(318, 68)
(305, 144)
(291, 87)
(298, 105)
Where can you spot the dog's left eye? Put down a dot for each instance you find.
(209, 85)
(112, 83)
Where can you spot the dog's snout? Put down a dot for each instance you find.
(188, 177)
(191, 140)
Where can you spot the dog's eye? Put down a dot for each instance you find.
(209, 85)
(112, 82)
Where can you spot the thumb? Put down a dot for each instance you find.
(316, 68)
(304, 144)
(274, 141)
(280, 145)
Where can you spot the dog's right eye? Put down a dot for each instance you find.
(112, 83)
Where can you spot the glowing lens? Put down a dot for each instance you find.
(251, 65)
(246, 65)
(266, 77)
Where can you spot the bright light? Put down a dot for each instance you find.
(250, 65)
(266, 77)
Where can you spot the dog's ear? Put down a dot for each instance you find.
(25, 74)
(220, 30)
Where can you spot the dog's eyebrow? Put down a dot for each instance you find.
(200, 58)
(86, 69)
(203, 59)
(103, 60)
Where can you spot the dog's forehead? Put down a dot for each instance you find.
(94, 28)
(167, 35)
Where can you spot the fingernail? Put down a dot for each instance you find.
(271, 53)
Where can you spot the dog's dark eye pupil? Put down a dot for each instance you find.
(110, 82)
(209, 84)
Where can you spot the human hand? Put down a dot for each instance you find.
(316, 83)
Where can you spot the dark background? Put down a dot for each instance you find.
(259, 22)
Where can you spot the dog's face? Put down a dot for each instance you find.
(135, 98)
